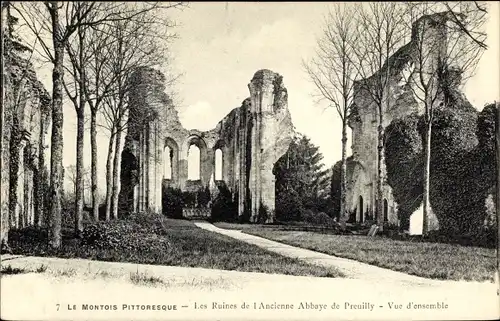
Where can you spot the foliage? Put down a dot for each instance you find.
(320, 218)
(224, 208)
(153, 239)
(458, 166)
(336, 189)
(404, 161)
(289, 206)
(128, 179)
(172, 202)
(101, 235)
(301, 180)
(203, 197)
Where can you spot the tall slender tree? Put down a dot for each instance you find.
(380, 31)
(58, 21)
(333, 72)
(442, 57)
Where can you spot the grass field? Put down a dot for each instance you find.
(158, 240)
(431, 260)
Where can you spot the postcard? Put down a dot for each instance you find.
(250, 161)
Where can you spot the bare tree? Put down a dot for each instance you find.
(466, 17)
(75, 86)
(380, 33)
(59, 21)
(98, 83)
(135, 44)
(72, 174)
(442, 56)
(332, 71)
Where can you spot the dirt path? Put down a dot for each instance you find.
(351, 268)
(79, 289)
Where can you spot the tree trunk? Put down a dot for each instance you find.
(4, 144)
(343, 177)
(427, 171)
(15, 163)
(380, 159)
(80, 121)
(498, 185)
(80, 115)
(116, 174)
(93, 169)
(38, 176)
(56, 152)
(109, 174)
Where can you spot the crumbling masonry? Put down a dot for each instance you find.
(25, 119)
(251, 137)
(363, 120)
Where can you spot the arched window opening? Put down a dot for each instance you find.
(168, 156)
(386, 210)
(361, 209)
(193, 163)
(218, 164)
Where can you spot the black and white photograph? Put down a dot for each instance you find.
(250, 160)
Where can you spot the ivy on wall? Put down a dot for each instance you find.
(462, 166)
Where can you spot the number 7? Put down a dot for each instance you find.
(58, 306)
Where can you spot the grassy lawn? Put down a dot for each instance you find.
(154, 239)
(431, 260)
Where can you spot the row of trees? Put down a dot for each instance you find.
(357, 50)
(93, 48)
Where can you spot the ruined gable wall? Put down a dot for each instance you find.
(26, 106)
(252, 138)
(401, 101)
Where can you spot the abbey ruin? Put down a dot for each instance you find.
(399, 100)
(250, 139)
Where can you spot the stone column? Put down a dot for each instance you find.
(254, 182)
(243, 146)
(143, 167)
(271, 135)
(159, 168)
(138, 173)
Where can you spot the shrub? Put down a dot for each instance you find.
(203, 197)
(101, 235)
(28, 235)
(188, 199)
(224, 208)
(264, 214)
(320, 218)
(172, 202)
(288, 206)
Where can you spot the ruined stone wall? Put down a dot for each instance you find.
(251, 137)
(25, 120)
(399, 100)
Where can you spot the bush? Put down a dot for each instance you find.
(223, 207)
(101, 235)
(320, 218)
(28, 235)
(188, 199)
(264, 214)
(203, 197)
(172, 202)
(288, 206)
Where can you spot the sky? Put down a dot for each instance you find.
(221, 45)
